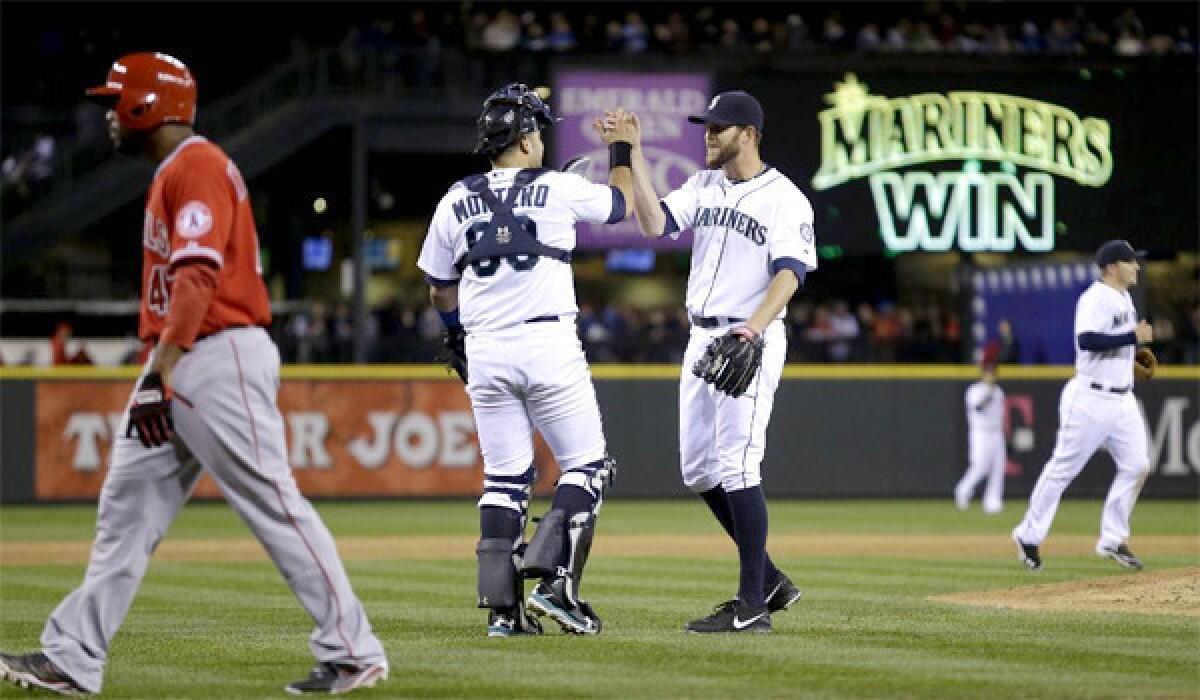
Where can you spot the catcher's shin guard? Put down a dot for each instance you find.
(580, 531)
(544, 554)
(499, 585)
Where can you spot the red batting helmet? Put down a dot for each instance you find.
(149, 89)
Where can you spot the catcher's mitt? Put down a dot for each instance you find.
(455, 351)
(1144, 363)
(730, 363)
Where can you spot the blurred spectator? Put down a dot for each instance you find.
(833, 32)
(1183, 41)
(899, 36)
(614, 40)
(60, 348)
(502, 33)
(1060, 41)
(561, 37)
(947, 31)
(635, 34)
(1030, 39)
(760, 35)
(923, 40)
(535, 38)
(674, 35)
(1129, 23)
(843, 327)
(1128, 44)
(797, 33)
(868, 39)
(1010, 346)
(731, 35)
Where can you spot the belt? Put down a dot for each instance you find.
(714, 321)
(1111, 389)
(544, 319)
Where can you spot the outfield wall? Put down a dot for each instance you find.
(837, 431)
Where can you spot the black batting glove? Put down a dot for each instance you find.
(150, 413)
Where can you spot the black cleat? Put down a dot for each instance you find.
(781, 593)
(732, 616)
(336, 679)
(508, 622)
(1121, 555)
(1028, 554)
(550, 598)
(37, 671)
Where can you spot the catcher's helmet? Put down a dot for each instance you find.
(147, 90)
(509, 113)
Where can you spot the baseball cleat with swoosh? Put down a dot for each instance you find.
(733, 616)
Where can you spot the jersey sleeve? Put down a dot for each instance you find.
(595, 204)
(201, 200)
(437, 252)
(1090, 314)
(682, 203)
(791, 240)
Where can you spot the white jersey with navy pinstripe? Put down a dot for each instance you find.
(1103, 309)
(506, 294)
(744, 232)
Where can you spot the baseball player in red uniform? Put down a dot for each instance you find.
(205, 400)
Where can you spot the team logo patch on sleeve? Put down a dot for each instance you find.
(194, 220)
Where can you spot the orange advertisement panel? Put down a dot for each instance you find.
(344, 438)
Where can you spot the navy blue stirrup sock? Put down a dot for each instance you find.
(718, 503)
(499, 523)
(749, 510)
(571, 499)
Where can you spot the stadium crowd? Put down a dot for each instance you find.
(819, 332)
(467, 45)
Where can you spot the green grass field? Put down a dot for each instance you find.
(865, 627)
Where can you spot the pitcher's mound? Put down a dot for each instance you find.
(1170, 592)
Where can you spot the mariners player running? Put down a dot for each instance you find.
(206, 400)
(753, 246)
(1097, 407)
(985, 442)
(497, 258)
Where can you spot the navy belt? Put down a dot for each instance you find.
(1112, 389)
(714, 321)
(544, 319)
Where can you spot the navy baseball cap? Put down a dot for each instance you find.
(1117, 251)
(733, 108)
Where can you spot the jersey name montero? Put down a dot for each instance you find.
(512, 289)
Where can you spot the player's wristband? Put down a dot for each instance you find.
(620, 153)
(450, 319)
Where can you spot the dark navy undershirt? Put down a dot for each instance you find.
(618, 206)
(1099, 342)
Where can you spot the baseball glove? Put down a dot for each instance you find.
(455, 351)
(730, 362)
(1144, 363)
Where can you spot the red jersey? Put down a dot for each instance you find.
(198, 210)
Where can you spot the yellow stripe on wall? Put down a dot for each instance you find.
(611, 371)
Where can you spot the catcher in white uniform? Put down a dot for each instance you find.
(985, 443)
(753, 246)
(497, 258)
(1097, 408)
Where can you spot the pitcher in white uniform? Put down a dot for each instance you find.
(1098, 409)
(986, 454)
(497, 258)
(753, 245)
